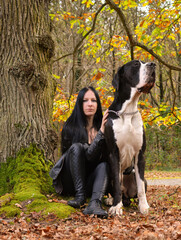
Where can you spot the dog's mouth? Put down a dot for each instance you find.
(149, 84)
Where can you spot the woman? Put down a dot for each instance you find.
(82, 170)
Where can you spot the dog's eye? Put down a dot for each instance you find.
(137, 63)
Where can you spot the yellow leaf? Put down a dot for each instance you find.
(171, 36)
(98, 59)
(55, 76)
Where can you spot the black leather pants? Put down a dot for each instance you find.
(77, 180)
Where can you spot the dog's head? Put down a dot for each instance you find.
(135, 74)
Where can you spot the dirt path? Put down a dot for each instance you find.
(166, 182)
(163, 178)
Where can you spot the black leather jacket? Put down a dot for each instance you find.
(94, 152)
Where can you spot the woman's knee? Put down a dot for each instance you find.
(76, 148)
(76, 153)
(102, 168)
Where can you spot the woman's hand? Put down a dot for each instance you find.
(104, 120)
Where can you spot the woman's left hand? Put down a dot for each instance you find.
(104, 120)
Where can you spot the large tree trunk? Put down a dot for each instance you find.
(26, 85)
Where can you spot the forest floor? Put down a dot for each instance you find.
(162, 223)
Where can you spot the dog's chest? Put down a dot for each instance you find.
(128, 132)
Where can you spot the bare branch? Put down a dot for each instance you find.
(173, 89)
(123, 20)
(66, 55)
(134, 43)
(171, 67)
(81, 41)
(174, 191)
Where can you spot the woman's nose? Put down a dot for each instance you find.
(89, 102)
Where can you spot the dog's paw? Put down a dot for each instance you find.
(116, 210)
(108, 201)
(144, 208)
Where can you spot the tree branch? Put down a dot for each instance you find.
(81, 41)
(132, 41)
(171, 67)
(66, 55)
(173, 89)
(174, 192)
(123, 20)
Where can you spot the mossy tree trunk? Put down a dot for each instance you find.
(26, 86)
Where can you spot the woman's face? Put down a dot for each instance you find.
(89, 103)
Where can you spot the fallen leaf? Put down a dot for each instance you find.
(18, 205)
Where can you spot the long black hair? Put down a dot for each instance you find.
(74, 129)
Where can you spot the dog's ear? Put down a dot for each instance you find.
(117, 77)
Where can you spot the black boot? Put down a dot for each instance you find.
(77, 169)
(99, 188)
(77, 202)
(95, 208)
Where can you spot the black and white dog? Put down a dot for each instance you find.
(124, 131)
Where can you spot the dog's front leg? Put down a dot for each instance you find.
(116, 209)
(139, 172)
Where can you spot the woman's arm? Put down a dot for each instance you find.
(104, 120)
(95, 148)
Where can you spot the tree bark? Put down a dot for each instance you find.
(161, 84)
(26, 85)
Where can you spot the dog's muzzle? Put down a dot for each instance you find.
(150, 81)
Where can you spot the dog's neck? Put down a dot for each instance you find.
(127, 107)
(130, 105)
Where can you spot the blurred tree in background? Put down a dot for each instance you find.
(94, 38)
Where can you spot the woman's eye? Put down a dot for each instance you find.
(92, 100)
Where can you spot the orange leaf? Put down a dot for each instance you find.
(99, 75)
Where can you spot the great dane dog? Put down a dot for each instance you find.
(124, 131)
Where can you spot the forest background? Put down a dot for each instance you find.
(51, 49)
(93, 39)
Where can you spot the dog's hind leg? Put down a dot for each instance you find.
(139, 172)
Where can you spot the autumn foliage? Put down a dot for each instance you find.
(161, 117)
(155, 31)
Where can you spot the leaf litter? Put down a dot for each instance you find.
(162, 223)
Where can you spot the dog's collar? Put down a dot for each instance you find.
(123, 113)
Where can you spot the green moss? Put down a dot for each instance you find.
(29, 193)
(6, 199)
(27, 177)
(29, 170)
(60, 210)
(10, 211)
(3, 174)
(8, 207)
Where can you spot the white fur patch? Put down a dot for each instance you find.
(128, 132)
(116, 210)
(143, 204)
(130, 105)
(144, 75)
